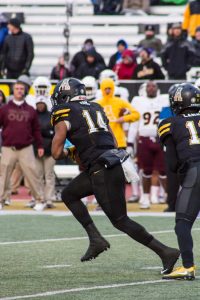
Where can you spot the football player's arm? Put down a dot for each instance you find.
(132, 116)
(57, 148)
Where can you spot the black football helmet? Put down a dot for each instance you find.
(185, 95)
(69, 89)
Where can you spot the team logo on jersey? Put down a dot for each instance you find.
(177, 96)
(65, 86)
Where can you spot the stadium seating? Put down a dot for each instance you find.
(45, 20)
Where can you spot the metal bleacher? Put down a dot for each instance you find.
(45, 20)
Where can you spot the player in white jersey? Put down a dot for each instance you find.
(119, 91)
(149, 152)
(91, 87)
(41, 87)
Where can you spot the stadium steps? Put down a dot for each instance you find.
(45, 21)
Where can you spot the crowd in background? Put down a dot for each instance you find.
(25, 119)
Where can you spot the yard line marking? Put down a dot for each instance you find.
(82, 289)
(151, 268)
(55, 266)
(82, 238)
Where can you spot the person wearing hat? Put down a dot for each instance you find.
(191, 18)
(196, 45)
(80, 57)
(178, 53)
(150, 40)
(148, 69)
(117, 56)
(126, 68)
(17, 53)
(91, 67)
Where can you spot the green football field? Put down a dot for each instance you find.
(40, 259)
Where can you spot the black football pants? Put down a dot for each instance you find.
(187, 209)
(108, 186)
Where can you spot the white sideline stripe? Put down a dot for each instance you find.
(98, 287)
(55, 266)
(82, 238)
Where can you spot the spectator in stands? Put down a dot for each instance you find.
(17, 52)
(196, 45)
(97, 6)
(126, 68)
(80, 57)
(150, 40)
(148, 68)
(45, 164)
(91, 67)
(112, 7)
(3, 31)
(20, 128)
(117, 56)
(191, 17)
(129, 5)
(177, 54)
(60, 71)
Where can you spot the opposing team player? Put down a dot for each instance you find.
(91, 87)
(41, 87)
(181, 137)
(149, 153)
(86, 126)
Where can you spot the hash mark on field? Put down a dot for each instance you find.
(82, 238)
(151, 268)
(82, 289)
(55, 266)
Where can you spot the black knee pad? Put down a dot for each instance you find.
(182, 225)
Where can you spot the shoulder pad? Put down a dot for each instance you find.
(165, 128)
(59, 113)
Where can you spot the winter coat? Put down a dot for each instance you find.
(153, 43)
(60, 72)
(46, 130)
(149, 70)
(80, 57)
(126, 71)
(196, 61)
(17, 53)
(177, 57)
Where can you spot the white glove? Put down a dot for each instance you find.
(130, 151)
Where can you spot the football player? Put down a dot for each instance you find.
(180, 136)
(41, 87)
(149, 153)
(91, 87)
(86, 126)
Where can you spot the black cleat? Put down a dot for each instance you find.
(97, 246)
(169, 259)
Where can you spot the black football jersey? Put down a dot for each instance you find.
(87, 129)
(185, 132)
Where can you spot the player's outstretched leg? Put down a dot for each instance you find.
(168, 255)
(71, 197)
(97, 243)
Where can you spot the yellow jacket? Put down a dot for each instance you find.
(191, 17)
(114, 107)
